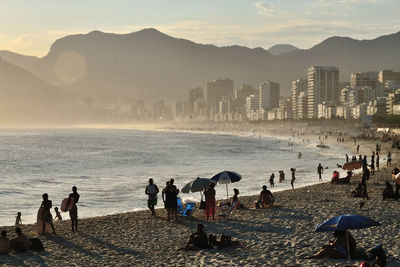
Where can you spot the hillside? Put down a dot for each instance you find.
(151, 65)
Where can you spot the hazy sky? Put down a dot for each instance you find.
(31, 26)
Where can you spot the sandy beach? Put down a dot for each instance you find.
(279, 236)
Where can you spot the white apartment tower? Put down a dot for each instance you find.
(298, 86)
(323, 83)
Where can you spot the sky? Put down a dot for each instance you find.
(31, 26)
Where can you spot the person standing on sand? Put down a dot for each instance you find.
(377, 161)
(46, 214)
(152, 191)
(171, 199)
(347, 158)
(372, 165)
(364, 163)
(271, 180)
(18, 221)
(358, 148)
(293, 177)
(320, 171)
(389, 159)
(209, 195)
(73, 213)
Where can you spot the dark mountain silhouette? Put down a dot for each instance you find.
(151, 65)
(282, 48)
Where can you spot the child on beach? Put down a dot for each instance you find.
(18, 221)
(58, 215)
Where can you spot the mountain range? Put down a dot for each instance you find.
(151, 65)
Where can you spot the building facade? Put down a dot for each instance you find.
(323, 83)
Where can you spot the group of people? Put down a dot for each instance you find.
(344, 246)
(45, 211)
(169, 197)
(21, 243)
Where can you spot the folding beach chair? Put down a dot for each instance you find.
(189, 209)
(181, 207)
(185, 210)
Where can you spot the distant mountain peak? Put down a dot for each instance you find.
(282, 48)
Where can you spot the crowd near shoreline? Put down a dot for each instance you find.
(279, 233)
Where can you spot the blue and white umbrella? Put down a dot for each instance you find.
(227, 177)
(345, 222)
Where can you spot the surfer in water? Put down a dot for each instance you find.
(73, 213)
(46, 214)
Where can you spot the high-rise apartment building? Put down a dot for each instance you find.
(268, 95)
(216, 90)
(389, 75)
(323, 83)
(362, 79)
(298, 86)
(194, 94)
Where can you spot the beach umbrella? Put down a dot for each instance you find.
(346, 222)
(352, 165)
(227, 177)
(197, 185)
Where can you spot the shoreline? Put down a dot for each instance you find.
(245, 133)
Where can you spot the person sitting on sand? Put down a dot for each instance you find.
(198, 239)
(46, 215)
(21, 243)
(18, 220)
(337, 248)
(335, 177)
(357, 192)
(58, 215)
(395, 171)
(266, 199)
(346, 179)
(388, 192)
(379, 257)
(4, 243)
(235, 204)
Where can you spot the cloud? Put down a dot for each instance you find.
(347, 2)
(264, 8)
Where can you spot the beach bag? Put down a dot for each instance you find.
(36, 244)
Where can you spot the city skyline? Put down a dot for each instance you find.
(32, 26)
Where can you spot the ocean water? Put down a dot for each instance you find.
(111, 167)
